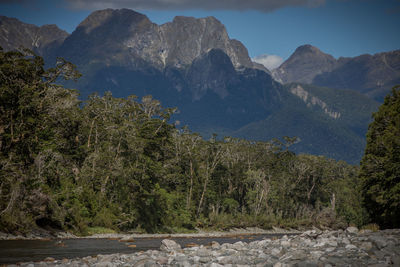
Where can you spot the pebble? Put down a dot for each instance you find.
(311, 248)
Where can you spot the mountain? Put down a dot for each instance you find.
(14, 33)
(303, 65)
(129, 38)
(372, 75)
(192, 64)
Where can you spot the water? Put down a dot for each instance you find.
(14, 251)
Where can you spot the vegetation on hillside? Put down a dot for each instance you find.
(118, 163)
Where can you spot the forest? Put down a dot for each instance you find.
(122, 164)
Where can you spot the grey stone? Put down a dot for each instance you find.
(396, 260)
(350, 246)
(181, 258)
(103, 264)
(366, 246)
(203, 252)
(346, 241)
(352, 230)
(204, 259)
(276, 251)
(169, 245)
(306, 264)
(239, 246)
(380, 241)
(285, 243)
(215, 245)
(225, 260)
(298, 255)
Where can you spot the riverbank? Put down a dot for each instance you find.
(348, 247)
(44, 235)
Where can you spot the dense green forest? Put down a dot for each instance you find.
(121, 164)
(380, 166)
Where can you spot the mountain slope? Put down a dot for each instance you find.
(327, 121)
(372, 75)
(15, 34)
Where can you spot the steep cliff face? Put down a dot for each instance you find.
(15, 34)
(187, 38)
(212, 71)
(128, 38)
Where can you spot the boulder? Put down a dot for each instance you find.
(352, 230)
(169, 245)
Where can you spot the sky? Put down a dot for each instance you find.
(270, 29)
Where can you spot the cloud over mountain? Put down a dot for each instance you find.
(259, 5)
(269, 61)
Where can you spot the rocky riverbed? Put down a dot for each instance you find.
(348, 247)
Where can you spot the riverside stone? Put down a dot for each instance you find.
(352, 230)
(169, 245)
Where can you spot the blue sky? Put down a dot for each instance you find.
(273, 27)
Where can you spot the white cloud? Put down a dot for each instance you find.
(259, 5)
(269, 61)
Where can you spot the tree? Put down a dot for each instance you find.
(31, 105)
(380, 166)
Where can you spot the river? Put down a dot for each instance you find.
(14, 251)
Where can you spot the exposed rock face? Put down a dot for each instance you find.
(15, 34)
(186, 38)
(303, 65)
(373, 75)
(131, 39)
(212, 71)
(311, 100)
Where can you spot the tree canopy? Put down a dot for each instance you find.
(380, 166)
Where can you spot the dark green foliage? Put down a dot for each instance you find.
(380, 167)
(118, 163)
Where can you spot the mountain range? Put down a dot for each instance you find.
(372, 75)
(192, 64)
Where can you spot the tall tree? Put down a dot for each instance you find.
(30, 108)
(380, 166)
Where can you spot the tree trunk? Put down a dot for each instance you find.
(191, 186)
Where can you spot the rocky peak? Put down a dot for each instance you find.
(125, 37)
(307, 48)
(304, 64)
(188, 38)
(14, 34)
(102, 36)
(112, 19)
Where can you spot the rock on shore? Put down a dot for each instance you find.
(312, 248)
